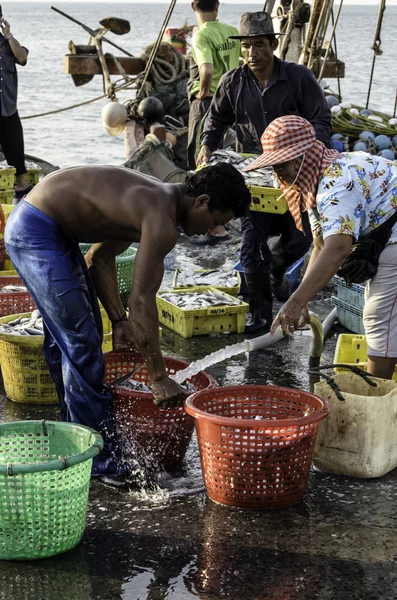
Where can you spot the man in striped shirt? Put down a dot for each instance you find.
(11, 134)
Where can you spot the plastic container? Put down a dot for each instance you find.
(252, 463)
(359, 437)
(268, 200)
(353, 296)
(233, 291)
(12, 303)
(125, 270)
(293, 273)
(7, 177)
(349, 316)
(7, 196)
(352, 350)
(201, 321)
(45, 470)
(160, 435)
(2, 251)
(26, 377)
(7, 209)
(33, 176)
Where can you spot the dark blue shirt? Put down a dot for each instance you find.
(8, 79)
(239, 100)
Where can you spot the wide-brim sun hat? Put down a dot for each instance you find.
(285, 139)
(256, 24)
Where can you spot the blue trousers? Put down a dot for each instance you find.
(54, 271)
(257, 227)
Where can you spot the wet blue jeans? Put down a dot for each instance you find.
(54, 271)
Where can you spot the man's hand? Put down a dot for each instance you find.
(123, 337)
(289, 317)
(5, 27)
(168, 394)
(204, 156)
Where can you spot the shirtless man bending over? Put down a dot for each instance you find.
(111, 207)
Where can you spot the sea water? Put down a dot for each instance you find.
(77, 136)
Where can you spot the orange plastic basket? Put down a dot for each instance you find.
(253, 463)
(13, 303)
(160, 435)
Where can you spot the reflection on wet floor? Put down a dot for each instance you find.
(339, 543)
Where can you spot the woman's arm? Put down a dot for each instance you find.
(321, 269)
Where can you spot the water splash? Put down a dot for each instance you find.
(215, 357)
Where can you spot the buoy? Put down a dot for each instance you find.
(151, 109)
(393, 122)
(114, 115)
(394, 140)
(114, 131)
(332, 101)
(337, 136)
(354, 111)
(388, 154)
(338, 145)
(365, 112)
(336, 109)
(345, 105)
(382, 142)
(360, 147)
(367, 136)
(375, 118)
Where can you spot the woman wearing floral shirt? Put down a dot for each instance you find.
(348, 195)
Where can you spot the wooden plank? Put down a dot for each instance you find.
(332, 69)
(83, 64)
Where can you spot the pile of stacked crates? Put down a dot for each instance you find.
(350, 305)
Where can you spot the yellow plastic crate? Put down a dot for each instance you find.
(32, 176)
(202, 321)
(268, 200)
(6, 197)
(352, 349)
(7, 209)
(7, 178)
(233, 291)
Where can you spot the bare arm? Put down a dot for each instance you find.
(19, 52)
(322, 268)
(206, 74)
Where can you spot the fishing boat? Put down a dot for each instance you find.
(161, 73)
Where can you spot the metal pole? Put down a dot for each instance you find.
(155, 48)
(330, 41)
(376, 47)
(336, 58)
(90, 31)
(395, 106)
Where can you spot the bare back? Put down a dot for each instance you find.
(98, 203)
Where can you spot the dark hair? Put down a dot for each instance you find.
(205, 5)
(224, 185)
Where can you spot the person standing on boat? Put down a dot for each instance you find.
(11, 133)
(348, 196)
(213, 53)
(251, 96)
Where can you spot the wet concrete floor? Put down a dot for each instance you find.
(339, 543)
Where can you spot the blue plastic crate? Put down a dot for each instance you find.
(293, 274)
(243, 288)
(353, 296)
(349, 316)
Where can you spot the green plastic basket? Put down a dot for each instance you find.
(125, 270)
(45, 469)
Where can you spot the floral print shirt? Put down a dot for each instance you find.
(356, 194)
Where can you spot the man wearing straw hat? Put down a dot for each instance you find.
(252, 96)
(348, 197)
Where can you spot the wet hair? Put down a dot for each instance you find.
(205, 5)
(224, 185)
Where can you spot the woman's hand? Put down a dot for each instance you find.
(167, 393)
(289, 317)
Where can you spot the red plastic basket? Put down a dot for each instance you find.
(161, 435)
(13, 303)
(253, 463)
